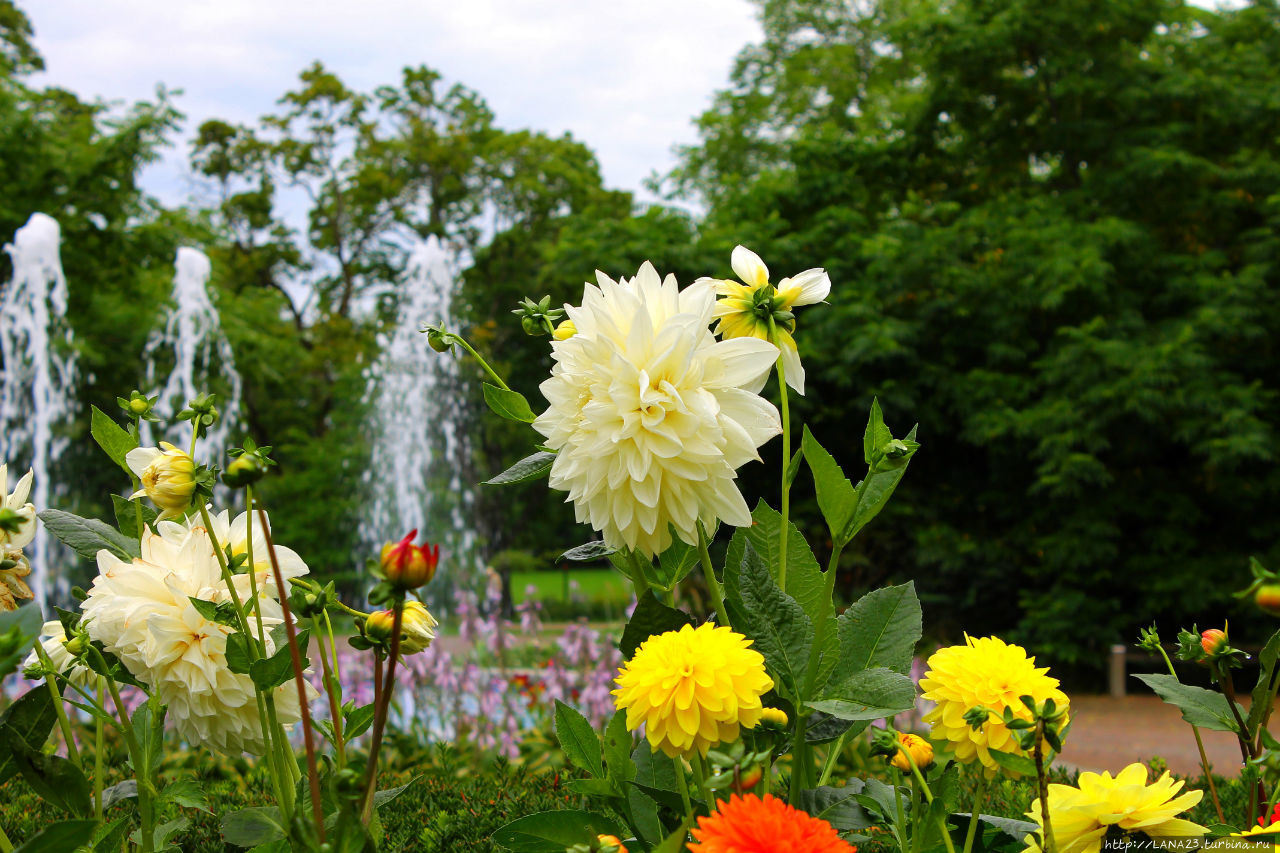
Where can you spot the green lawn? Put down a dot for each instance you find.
(593, 585)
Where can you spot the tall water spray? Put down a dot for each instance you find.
(202, 357)
(39, 372)
(415, 474)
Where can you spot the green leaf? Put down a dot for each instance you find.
(1016, 763)
(837, 806)
(127, 515)
(880, 629)
(166, 830)
(224, 612)
(836, 495)
(28, 620)
(185, 792)
(60, 837)
(675, 563)
(578, 739)
(119, 792)
(110, 837)
(529, 468)
(663, 797)
(1018, 830)
(112, 438)
(381, 798)
(775, 621)
(805, 579)
(31, 717)
(508, 404)
(1262, 690)
(588, 551)
(793, 467)
(643, 807)
(592, 787)
(358, 721)
(870, 694)
(238, 658)
(877, 490)
(1207, 709)
(876, 435)
(654, 769)
(650, 617)
(617, 750)
(552, 832)
(88, 536)
(270, 673)
(54, 778)
(250, 827)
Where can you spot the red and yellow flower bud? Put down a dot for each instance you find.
(920, 750)
(409, 566)
(1213, 640)
(610, 844)
(1268, 598)
(748, 779)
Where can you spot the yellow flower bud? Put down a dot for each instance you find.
(564, 331)
(774, 718)
(416, 627)
(167, 475)
(921, 752)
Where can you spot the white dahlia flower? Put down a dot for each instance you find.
(651, 415)
(141, 611)
(18, 503)
(234, 534)
(52, 637)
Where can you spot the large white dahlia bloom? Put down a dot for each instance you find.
(17, 501)
(234, 534)
(651, 415)
(141, 611)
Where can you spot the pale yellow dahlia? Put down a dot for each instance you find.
(17, 502)
(990, 673)
(693, 688)
(1082, 816)
(142, 612)
(747, 308)
(650, 415)
(52, 640)
(167, 475)
(234, 534)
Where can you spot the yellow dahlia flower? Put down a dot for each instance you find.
(693, 688)
(920, 750)
(142, 612)
(167, 475)
(1081, 816)
(651, 415)
(17, 501)
(987, 672)
(745, 308)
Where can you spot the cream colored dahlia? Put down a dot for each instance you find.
(987, 672)
(234, 534)
(17, 501)
(1082, 816)
(52, 638)
(650, 415)
(14, 567)
(141, 611)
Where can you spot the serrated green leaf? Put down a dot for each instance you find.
(870, 694)
(529, 468)
(58, 782)
(31, 717)
(88, 536)
(836, 495)
(837, 806)
(60, 837)
(617, 750)
(1207, 709)
(881, 629)
(552, 832)
(112, 438)
(250, 827)
(877, 490)
(588, 551)
(508, 404)
(127, 515)
(578, 739)
(775, 621)
(358, 721)
(185, 792)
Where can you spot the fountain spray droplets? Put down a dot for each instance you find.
(414, 422)
(202, 357)
(39, 373)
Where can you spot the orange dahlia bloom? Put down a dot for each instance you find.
(753, 824)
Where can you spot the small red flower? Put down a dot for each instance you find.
(407, 565)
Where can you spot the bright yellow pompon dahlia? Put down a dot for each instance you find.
(650, 416)
(746, 308)
(1081, 816)
(167, 475)
(987, 672)
(693, 688)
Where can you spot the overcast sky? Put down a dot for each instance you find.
(626, 78)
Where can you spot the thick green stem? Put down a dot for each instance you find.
(979, 799)
(1042, 785)
(683, 784)
(900, 825)
(928, 796)
(832, 758)
(786, 486)
(99, 772)
(713, 584)
(801, 760)
(56, 695)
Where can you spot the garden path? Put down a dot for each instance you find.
(1108, 733)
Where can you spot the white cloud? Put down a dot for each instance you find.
(626, 78)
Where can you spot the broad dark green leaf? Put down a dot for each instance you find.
(578, 739)
(870, 694)
(238, 657)
(250, 827)
(28, 620)
(881, 629)
(837, 806)
(508, 404)
(32, 718)
(836, 496)
(775, 622)
(61, 837)
(617, 750)
(88, 536)
(358, 721)
(552, 832)
(877, 490)
(127, 515)
(650, 617)
(269, 673)
(1207, 709)
(1014, 762)
(1262, 690)
(58, 782)
(112, 438)
(529, 468)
